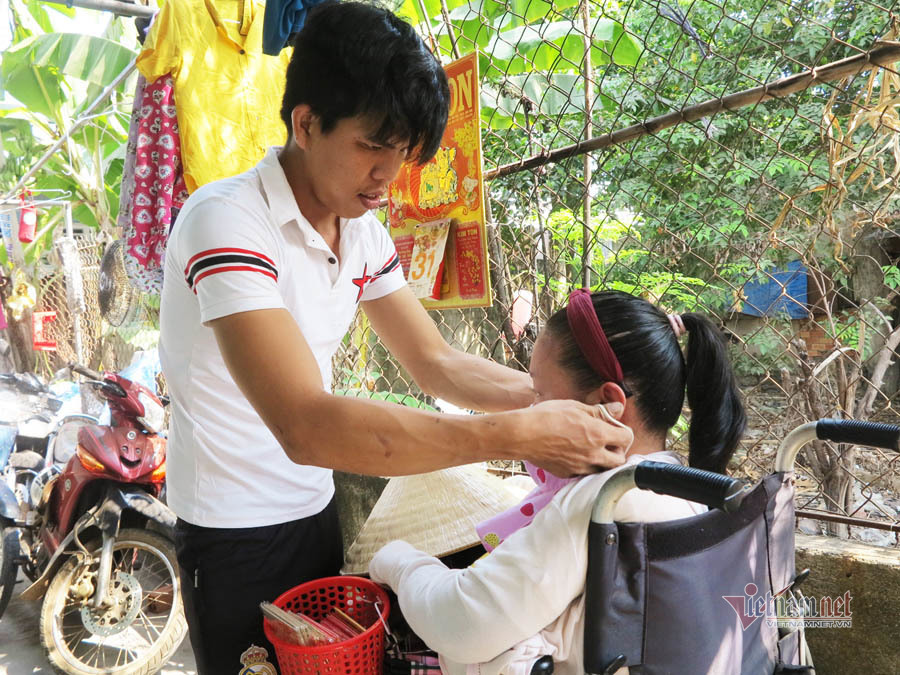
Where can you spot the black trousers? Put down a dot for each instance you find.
(227, 572)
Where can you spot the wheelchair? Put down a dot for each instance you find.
(715, 593)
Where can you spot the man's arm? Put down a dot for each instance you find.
(272, 364)
(465, 380)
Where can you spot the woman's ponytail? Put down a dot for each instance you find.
(717, 413)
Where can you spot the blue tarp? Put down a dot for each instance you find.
(781, 292)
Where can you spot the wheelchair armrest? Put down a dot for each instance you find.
(715, 490)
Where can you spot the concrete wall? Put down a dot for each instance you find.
(872, 576)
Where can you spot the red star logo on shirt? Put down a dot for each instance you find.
(362, 281)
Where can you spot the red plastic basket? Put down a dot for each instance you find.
(361, 655)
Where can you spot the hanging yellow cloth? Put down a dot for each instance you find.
(227, 92)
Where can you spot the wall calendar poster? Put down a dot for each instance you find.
(436, 211)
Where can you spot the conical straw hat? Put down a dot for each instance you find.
(435, 512)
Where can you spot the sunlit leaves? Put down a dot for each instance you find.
(35, 69)
(54, 76)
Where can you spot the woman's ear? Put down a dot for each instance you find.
(608, 392)
(302, 120)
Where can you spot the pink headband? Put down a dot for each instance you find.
(591, 339)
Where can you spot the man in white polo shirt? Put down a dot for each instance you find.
(264, 273)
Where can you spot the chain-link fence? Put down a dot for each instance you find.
(81, 331)
(688, 153)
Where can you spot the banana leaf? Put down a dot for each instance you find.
(33, 70)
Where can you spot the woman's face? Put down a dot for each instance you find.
(549, 378)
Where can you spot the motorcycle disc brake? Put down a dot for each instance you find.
(125, 598)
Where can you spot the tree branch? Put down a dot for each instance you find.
(866, 405)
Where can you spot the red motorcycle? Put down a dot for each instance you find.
(97, 540)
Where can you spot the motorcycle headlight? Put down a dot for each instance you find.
(154, 414)
(44, 478)
(65, 442)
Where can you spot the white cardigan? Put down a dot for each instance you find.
(525, 599)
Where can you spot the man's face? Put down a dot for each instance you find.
(348, 172)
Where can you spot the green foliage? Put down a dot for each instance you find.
(763, 351)
(403, 399)
(354, 386)
(706, 200)
(718, 185)
(855, 329)
(38, 70)
(531, 52)
(48, 79)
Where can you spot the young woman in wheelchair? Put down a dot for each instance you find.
(525, 599)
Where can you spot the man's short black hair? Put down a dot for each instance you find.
(352, 59)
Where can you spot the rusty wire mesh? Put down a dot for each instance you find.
(699, 215)
(685, 153)
(102, 346)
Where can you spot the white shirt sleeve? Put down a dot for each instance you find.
(229, 258)
(386, 270)
(473, 615)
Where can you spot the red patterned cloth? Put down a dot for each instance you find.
(158, 183)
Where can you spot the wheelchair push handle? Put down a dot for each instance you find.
(858, 432)
(715, 490)
(705, 487)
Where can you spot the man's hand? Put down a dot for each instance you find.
(572, 438)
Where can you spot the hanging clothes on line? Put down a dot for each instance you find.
(126, 185)
(283, 19)
(153, 188)
(227, 92)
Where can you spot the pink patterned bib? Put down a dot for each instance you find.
(494, 530)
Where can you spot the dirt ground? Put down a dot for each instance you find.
(20, 643)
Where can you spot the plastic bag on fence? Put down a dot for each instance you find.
(69, 393)
(144, 368)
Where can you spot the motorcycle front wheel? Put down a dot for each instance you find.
(140, 626)
(9, 551)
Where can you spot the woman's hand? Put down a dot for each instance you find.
(569, 438)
